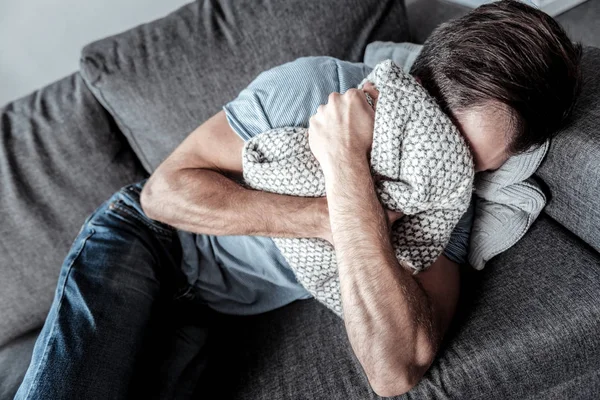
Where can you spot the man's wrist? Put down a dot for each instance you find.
(321, 225)
(342, 165)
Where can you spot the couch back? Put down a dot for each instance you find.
(160, 80)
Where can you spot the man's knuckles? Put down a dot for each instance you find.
(333, 97)
(354, 93)
(357, 96)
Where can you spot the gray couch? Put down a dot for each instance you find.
(527, 326)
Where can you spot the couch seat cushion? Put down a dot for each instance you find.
(528, 324)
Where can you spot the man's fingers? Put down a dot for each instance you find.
(359, 96)
(354, 92)
(370, 88)
(333, 97)
(394, 215)
(356, 95)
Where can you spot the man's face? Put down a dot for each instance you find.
(484, 129)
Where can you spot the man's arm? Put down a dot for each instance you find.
(195, 190)
(389, 316)
(394, 320)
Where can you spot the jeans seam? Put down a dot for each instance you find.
(158, 230)
(62, 294)
(187, 290)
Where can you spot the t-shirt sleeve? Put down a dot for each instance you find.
(289, 94)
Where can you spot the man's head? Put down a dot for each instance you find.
(506, 73)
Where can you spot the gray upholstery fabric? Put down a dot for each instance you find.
(161, 80)
(527, 323)
(581, 22)
(572, 164)
(61, 155)
(14, 360)
(426, 15)
(583, 387)
(526, 329)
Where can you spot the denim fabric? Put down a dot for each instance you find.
(116, 310)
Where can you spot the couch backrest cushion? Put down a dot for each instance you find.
(163, 79)
(572, 167)
(61, 155)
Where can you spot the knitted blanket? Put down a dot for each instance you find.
(421, 166)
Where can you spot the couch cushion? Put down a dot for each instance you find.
(163, 79)
(61, 155)
(526, 329)
(15, 357)
(528, 323)
(572, 166)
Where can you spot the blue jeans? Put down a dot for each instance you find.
(121, 308)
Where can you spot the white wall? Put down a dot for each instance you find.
(40, 40)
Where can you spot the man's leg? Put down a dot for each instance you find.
(120, 269)
(185, 353)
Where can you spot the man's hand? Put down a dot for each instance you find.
(342, 130)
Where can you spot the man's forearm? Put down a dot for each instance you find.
(207, 202)
(386, 312)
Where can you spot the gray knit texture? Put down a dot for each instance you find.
(421, 166)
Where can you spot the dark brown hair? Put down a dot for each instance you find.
(505, 52)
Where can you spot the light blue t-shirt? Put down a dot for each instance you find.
(246, 275)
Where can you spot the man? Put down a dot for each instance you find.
(506, 73)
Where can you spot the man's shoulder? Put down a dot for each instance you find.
(289, 94)
(324, 72)
(323, 62)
